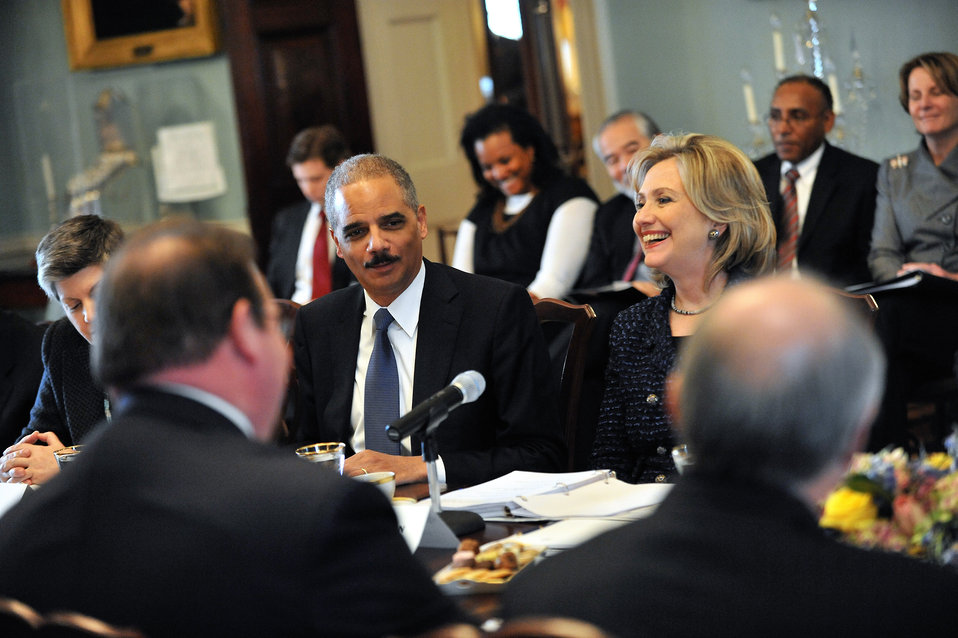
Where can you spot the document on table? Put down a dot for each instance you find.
(552, 496)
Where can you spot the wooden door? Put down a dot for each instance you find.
(295, 63)
(423, 60)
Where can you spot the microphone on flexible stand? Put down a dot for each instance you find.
(466, 387)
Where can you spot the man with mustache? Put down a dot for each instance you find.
(428, 323)
(828, 229)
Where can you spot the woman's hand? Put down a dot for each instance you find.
(31, 461)
(931, 269)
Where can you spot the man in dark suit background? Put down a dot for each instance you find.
(313, 155)
(21, 369)
(614, 252)
(835, 190)
(775, 391)
(177, 519)
(444, 322)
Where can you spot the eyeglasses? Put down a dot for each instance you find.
(793, 117)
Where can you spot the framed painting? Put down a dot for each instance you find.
(111, 33)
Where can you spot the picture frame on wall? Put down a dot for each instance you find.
(113, 33)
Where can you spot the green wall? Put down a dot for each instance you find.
(47, 109)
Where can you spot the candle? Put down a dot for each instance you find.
(750, 103)
(779, 48)
(48, 177)
(836, 94)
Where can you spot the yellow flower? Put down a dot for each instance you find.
(939, 461)
(848, 510)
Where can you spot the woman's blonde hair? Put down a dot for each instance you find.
(724, 185)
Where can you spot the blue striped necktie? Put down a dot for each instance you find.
(382, 389)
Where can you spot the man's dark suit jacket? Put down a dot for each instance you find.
(720, 558)
(172, 521)
(21, 369)
(836, 233)
(466, 322)
(612, 245)
(284, 248)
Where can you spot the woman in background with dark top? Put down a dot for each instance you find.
(69, 404)
(704, 223)
(916, 228)
(531, 222)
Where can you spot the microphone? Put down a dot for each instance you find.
(465, 388)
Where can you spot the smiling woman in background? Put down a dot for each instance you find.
(531, 222)
(916, 228)
(704, 223)
(70, 261)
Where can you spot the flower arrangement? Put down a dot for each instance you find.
(892, 502)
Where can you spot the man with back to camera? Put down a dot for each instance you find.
(775, 392)
(431, 322)
(828, 228)
(300, 237)
(177, 519)
(615, 253)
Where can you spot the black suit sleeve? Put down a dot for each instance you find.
(366, 573)
(519, 405)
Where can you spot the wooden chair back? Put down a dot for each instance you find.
(568, 349)
(548, 627)
(445, 234)
(287, 424)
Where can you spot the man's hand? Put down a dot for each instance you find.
(931, 269)
(29, 461)
(408, 469)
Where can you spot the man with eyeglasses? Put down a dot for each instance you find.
(822, 198)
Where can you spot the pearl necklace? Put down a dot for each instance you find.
(688, 313)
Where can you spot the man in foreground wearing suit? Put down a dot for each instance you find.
(293, 271)
(833, 192)
(439, 322)
(775, 392)
(177, 519)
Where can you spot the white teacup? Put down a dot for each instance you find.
(385, 481)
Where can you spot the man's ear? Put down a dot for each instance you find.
(243, 330)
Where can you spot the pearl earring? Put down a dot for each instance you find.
(713, 234)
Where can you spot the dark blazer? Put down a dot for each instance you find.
(612, 244)
(69, 403)
(720, 558)
(21, 369)
(466, 322)
(172, 521)
(284, 248)
(836, 233)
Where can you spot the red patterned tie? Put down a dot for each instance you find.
(637, 255)
(786, 248)
(322, 274)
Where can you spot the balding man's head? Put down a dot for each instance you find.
(167, 298)
(778, 381)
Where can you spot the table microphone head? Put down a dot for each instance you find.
(471, 384)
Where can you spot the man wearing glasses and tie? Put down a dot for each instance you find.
(822, 198)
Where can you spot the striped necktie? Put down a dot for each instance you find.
(381, 405)
(789, 240)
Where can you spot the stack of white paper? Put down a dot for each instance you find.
(548, 496)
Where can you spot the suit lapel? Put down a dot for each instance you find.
(440, 315)
(344, 346)
(772, 179)
(822, 191)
